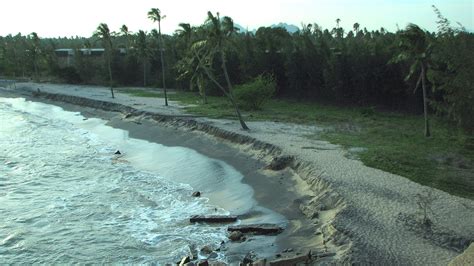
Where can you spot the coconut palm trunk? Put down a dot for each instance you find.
(104, 34)
(417, 46)
(202, 90)
(155, 15)
(35, 66)
(228, 93)
(144, 73)
(162, 63)
(109, 66)
(231, 92)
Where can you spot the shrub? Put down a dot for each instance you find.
(69, 75)
(252, 95)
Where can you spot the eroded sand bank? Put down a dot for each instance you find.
(360, 214)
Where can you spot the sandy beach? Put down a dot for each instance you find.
(336, 207)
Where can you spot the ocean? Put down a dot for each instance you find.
(66, 197)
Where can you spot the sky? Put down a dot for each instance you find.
(66, 18)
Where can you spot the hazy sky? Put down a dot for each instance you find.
(53, 18)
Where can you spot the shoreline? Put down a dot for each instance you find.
(297, 238)
(363, 214)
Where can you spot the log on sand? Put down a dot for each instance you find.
(213, 219)
(259, 229)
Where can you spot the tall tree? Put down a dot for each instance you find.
(185, 31)
(126, 33)
(142, 50)
(338, 31)
(155, 15)
(16, 54)
(103, 33)
(452, 75)
(35, 52)
(218, 35)
(356, 27)
(187, 66)
(416, 48)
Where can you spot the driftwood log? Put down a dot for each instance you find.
(213, 219)
(259, 229)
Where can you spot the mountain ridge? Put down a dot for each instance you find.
(288, 27)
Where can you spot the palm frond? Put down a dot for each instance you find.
(155, 15)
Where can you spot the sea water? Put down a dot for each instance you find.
(66, 197)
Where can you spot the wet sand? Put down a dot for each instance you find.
(274, 190)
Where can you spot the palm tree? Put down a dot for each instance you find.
(356, 27)
(416, 47)
(338, 31)
(199, 77)
(187, 65)
(103, 33)
(186, 31)
(142, 49)
(155, 15)
(218, 34)
(19, 53)
(35, 52)
(126, 33)
(189, 68)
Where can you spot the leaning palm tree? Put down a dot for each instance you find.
(218, 35)
(416, 48)
(155, 15)
(103, 33)
(186, 65)
(189, 67)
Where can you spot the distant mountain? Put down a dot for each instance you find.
(289, 27)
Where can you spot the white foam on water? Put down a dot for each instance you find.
(62, 185)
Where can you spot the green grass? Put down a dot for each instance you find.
(142, 93)
(393, 142)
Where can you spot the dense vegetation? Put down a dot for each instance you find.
(354, 68)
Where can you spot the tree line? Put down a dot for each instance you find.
(410, 70)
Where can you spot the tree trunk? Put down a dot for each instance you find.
(202, 89)
(231, 93)
(144, 73)
(425, 100)
(227, 93)
(204, 95)
(35, 68)
(162, 63)
(110, 75)
(237, 111)
(36, 72)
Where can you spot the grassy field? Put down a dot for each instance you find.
(392, 142)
